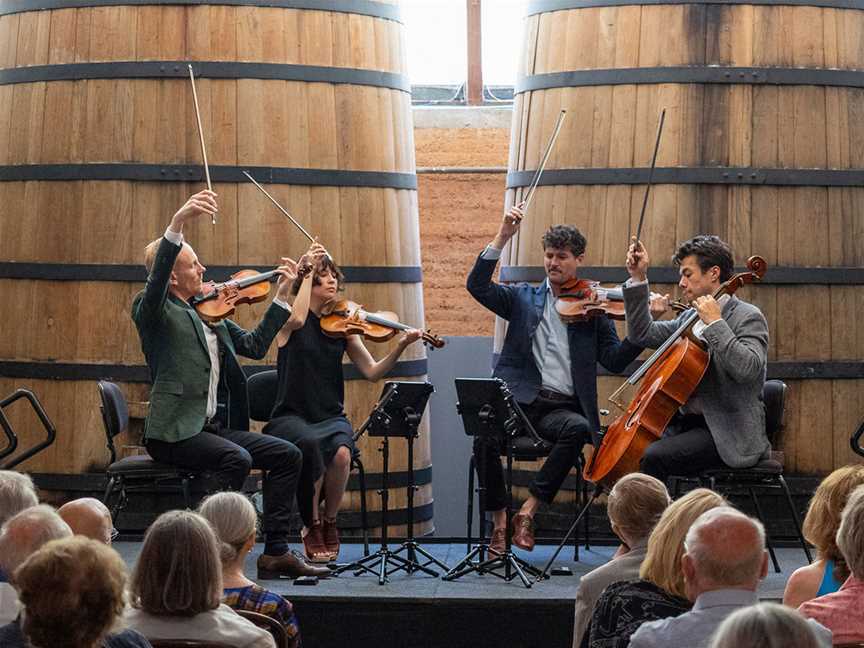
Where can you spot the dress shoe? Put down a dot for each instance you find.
(288, 565)
(313, 544)
(523, 532)
(331, 537)
(498, 542)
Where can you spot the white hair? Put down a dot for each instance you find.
(24, 533)
(16, 494)
(850, 535)
(765, 625)
(737, 565)
(234, 520)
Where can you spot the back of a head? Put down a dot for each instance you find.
(72, 592)
(26, 532)
(850, 535)
(233, 519)
(765, 625)
(636, 503)
(16, 494)
(727, 548)
(88, 517)
(178, 572)
(662, 564)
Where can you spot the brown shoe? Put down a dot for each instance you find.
(288, 565)
(498, 542)
(523, 532)
(313, 544)
(331, 537)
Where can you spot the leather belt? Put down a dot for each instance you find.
(553, 395)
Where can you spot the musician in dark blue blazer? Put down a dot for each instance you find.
(549, 366)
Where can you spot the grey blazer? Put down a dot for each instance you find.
(593, 583)
(730, 394)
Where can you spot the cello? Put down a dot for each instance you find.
(671, 375)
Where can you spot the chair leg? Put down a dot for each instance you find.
(364, 522)
(113, 483)
(795, 519)
(470, 525)
(578, 505)
(187, 494)
(761, 517)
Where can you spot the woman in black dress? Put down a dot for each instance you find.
(309, 409)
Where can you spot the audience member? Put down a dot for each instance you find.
(177, 587)
(23, 534)
(90, 518)
(16, 494)
(660, 593)
(766, 625)
(234, 520)
(634, 506)
(72, 593)
(829, 571)
(842, 612)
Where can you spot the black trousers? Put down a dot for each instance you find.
(230, 455)
(560, 422)
(686, 448)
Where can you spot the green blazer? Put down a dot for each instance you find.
(172, 339)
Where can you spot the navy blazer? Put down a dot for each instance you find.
(522, 306)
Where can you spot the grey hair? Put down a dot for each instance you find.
(850, 535)
(636, 503)
(16, 494)
(765, 625)
(723, 570)
(233, 518)
(26, 532)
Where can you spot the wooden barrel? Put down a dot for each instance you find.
(99, 146)
(763, 145)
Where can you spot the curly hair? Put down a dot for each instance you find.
(72, 591)
(565, 237)
(325, 265)
(709, 251)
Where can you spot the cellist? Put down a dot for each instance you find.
(723, 422)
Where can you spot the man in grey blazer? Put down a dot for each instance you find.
(723, 422)
(635, 505)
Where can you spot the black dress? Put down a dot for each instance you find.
(309, 410)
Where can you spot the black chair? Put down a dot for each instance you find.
(764, 476)
(271, 625)
(524, 449)
(136, 473)
(263, 388)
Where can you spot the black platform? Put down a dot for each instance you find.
(419, 611)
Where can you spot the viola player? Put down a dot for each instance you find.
(549, 366)
(309, 409)
(191, 364)
(723, 422)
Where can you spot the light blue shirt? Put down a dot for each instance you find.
(550, 345)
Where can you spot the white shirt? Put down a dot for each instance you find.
(9, 606)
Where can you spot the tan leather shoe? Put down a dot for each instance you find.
(498, 542)
(288, 565)
(523, 532)
(331, 537)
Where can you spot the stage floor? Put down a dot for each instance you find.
(419, 610)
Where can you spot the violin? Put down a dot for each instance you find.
(583, 299)
(349, 318)
(244, 287)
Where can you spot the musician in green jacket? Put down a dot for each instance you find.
(194, 368)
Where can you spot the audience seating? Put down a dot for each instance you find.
(188, 643)
(271, 625)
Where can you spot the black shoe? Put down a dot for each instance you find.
(288, 565)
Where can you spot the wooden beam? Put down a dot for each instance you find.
(475, 53)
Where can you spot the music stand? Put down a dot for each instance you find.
(490, 412)
(397, 414)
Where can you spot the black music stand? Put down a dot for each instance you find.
(490, 412)
(397, 414)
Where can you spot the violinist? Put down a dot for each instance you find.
(309, 409)
(191, 364)
(723, 422)
(549, 366)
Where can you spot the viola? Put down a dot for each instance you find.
(582, 299)
(349, 318)
(671, 375)
(244, 287)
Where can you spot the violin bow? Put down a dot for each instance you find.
(543, 160)
(201, 136)
(650, 176)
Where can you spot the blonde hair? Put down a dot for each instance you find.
(850, 535)
(178, 572)
(233, 519)
(636, 503)
(823, 515)
(72, 591)
(765, 625)
(662, 564)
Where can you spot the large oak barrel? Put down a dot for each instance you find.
(763, 145)
(99, 146)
